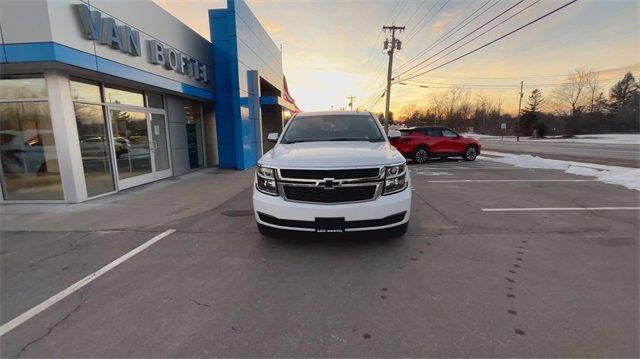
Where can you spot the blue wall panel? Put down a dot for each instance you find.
(240, 44)
(222, 27)
(3, 57)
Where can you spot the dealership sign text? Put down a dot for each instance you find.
(123, 38)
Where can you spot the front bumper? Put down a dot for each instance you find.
(383, 212)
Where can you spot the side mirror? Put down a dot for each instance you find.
(394, 134)
(272, 137)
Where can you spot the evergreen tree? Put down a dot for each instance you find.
(530, 112)
(625, 95)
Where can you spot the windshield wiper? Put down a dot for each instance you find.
(331, 140)
(296, 141)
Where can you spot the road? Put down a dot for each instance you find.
(464, 281)
(626, 155)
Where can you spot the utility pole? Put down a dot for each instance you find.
(519, 110)
(351, 98)
(391, 46)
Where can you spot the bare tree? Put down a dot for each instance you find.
(452, 107)
(593, 89)
(408, 112)
(570, 97)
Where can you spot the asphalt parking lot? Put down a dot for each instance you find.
(472, 277)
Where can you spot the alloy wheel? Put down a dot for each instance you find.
(422, 155)
(471, 153)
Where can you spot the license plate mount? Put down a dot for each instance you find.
(329, 224)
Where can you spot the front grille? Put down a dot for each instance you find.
(336, 174)
(335, 195)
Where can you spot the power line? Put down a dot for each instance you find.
(497, 87)
(420, 5)
(371, 61)
(611, 69)
(418, 27)
(452, 31)
(400, 12)
(492, 41)
(473, 31)
(380, 91)
(372, 55)
(378, 98)
(502, 85)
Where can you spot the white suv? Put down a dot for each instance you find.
(332, 172)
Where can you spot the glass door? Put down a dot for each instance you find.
(140, 146)
(159, 146)
(131, 148)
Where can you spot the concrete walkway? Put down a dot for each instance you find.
(142, 207)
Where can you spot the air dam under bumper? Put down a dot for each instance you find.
(384, 212)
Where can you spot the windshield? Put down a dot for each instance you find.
(333, 128)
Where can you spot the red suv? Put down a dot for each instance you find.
(421, 143)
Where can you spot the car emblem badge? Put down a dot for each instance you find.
(328, 183)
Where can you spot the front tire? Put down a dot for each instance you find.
(470, 154)
(420, 155)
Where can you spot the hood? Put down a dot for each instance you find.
(331, 154)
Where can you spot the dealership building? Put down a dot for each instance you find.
(97, 96)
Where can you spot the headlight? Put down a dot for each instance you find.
(395, 179)
(266, 172)
(393, 171)
(266, 180)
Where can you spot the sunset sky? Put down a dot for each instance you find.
(333, 49)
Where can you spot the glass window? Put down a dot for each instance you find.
(155, 100)
(406, 133)
(94, 146)
(333, 128)
(86, 92)
(22, 89)
(191, 111)
(123, 97)
(28, 150)
(449, 133)
(433, 132)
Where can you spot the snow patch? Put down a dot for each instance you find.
(624, 176)
(610, 139)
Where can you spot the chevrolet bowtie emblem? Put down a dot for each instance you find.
(328, 183)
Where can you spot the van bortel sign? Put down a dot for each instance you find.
(123, 38)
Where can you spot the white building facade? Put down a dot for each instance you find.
(99, 96)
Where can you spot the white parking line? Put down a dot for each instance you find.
(560, 209)
(513, 180)
(476, 168)
(10, 325)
